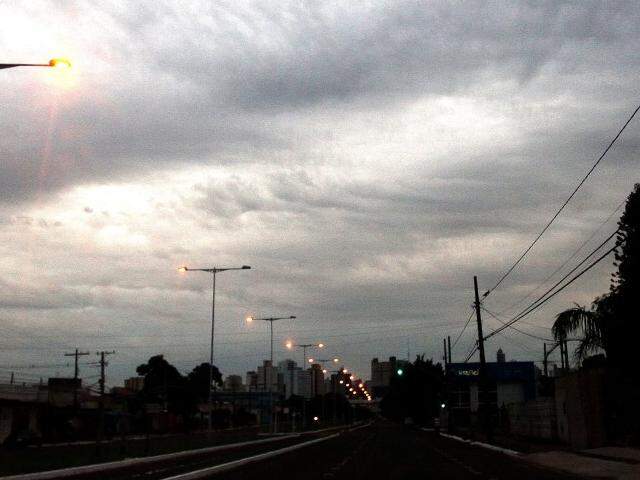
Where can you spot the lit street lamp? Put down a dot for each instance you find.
(213, 271)
(54, 62)
(270, 320)
(304, 347)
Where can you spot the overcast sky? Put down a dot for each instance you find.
(366, 159)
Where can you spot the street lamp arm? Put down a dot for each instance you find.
(54, 62)
(12, 65)
(213, 270)
(273, 319)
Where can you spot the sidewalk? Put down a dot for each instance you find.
(621, 463)
(607, 462)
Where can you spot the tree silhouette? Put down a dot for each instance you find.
(417, 393)
(198, 380)
(164, 384)
(610, 324)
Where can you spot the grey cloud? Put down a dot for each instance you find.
(283, 100)
(207, 91)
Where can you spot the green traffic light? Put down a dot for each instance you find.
(400, 372)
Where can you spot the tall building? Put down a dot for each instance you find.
(288, 372)
(304, 383)
(381, 372)
(267, 377)
(317, 380)
(233, 384)
(252, 381)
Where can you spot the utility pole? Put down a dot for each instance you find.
(76, 354)
(449, 343)
(76, 373)
(566, 355)
(544, 361)
(483, 406)
(479, 320)
(445, 358)
(103, 364)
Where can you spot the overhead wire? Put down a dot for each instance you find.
(495, 316)
(542, 300)
(571, 257)
(455, 342)
(566, 202)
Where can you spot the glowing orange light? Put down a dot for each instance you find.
(249, 319)
(182, 269)
(60, 63)
(321, 345)
(289, 344)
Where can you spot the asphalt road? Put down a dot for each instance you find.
(389, 451)
(383, 450)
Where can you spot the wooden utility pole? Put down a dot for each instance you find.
(483, 394)
(76, 373)
(449, 343)
(76, 354)
(479, 321)
(544, 361)
(445, 357)
(103, 364)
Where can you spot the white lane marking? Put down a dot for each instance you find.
(223, 467)
(108, 466)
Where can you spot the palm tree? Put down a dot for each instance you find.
(590, 324)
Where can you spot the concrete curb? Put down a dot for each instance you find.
(488, 446)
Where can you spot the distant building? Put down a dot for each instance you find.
(317, 380)
(288, 372)
(63, 391)
(267, 377)
(509, 382)
(252, 381)
(304, 383)
(134, 384)
(233, 384)
(381, 374)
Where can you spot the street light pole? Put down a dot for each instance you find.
(304, 347)
(213, 271)
(270, 320)
(272, 415)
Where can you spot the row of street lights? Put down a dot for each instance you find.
(250, 319)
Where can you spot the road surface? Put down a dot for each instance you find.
(382, 450)
(389, 451)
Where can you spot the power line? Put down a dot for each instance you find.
(606, 150)
(515, 328)
(542, 301)
(462, 331)
(571, 257)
